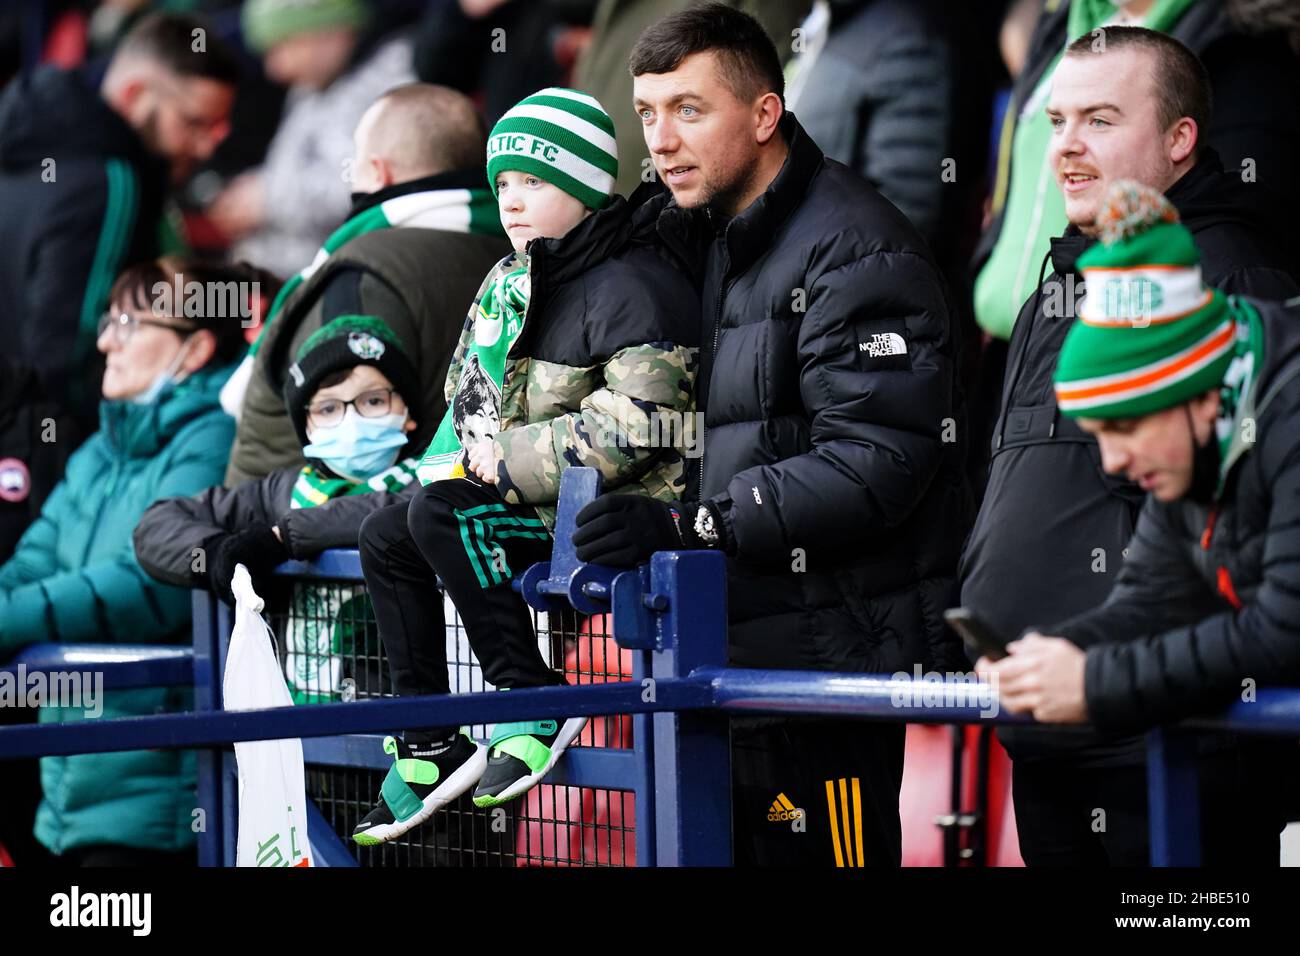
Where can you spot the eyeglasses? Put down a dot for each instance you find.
(124, 325)
(375, 403)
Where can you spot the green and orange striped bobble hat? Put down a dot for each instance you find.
(563, 137)
(1150, 334)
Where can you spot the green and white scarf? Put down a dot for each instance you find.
(315, 488)
(1239, 405)
(329, 622)
(451, 210)
(497, 324)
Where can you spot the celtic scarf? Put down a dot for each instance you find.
(329, 622)
(315, 488)
(475, 410)
(1239, 405)
(452, 210)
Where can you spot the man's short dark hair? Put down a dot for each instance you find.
(1182, 86)
(746, 54)
(170, 40)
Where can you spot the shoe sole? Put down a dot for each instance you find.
(464, 777)
(572, 727)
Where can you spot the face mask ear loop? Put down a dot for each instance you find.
(179, 360)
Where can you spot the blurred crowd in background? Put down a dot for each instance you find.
(239, 146)
(922, 97)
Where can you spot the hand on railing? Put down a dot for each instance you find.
(623, 531)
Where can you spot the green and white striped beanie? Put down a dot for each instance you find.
(564, 137)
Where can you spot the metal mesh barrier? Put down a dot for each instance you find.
(329, 646)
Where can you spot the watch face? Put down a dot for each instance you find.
(704, 526)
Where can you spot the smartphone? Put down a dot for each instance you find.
(978, 634)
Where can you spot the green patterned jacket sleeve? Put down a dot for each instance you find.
(638, 415)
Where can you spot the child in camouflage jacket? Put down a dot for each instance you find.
(579, 350)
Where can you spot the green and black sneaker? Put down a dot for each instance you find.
(424, 778)
(520, 755)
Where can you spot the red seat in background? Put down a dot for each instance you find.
(65, 44)
(573, 826)
(926, 796)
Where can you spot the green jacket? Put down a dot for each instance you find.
(74, 578)
(417, 280)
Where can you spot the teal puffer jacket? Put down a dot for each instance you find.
(74, 578)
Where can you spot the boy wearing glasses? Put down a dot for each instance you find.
(345, 395)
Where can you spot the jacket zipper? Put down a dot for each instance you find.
(99, 512)
(1013, 374)
(713, 351)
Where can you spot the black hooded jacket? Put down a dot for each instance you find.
(170, 531)
(80, 197)
(830, 443)
(35, 442)
(1053, 527)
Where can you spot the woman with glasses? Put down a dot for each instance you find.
(73, 576)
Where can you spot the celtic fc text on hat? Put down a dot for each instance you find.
(564, 137)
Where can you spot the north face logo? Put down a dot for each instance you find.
(882, 344)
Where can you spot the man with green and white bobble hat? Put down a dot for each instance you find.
(1195, 396)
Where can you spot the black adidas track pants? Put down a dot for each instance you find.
(459, 530)
(816, 792)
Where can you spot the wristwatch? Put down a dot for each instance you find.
(705, 529)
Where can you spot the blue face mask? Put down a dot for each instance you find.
(358, 448)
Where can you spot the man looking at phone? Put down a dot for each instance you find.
(1196, 398)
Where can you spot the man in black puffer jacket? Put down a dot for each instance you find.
(1197, 398)
(830, 467)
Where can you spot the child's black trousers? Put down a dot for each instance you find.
(462, 532)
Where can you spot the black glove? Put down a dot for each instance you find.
(256, 547)
(622, 531)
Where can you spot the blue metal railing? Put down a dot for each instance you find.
(672, 615)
